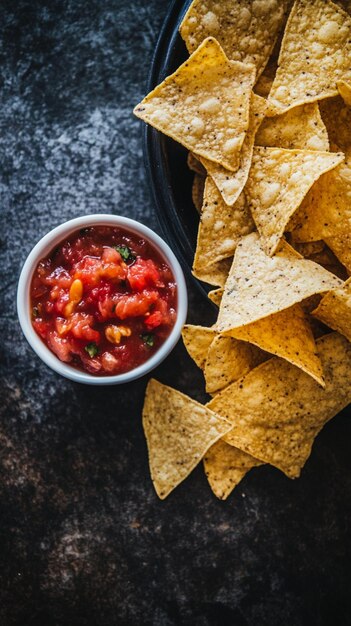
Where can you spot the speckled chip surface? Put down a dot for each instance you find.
(204, 105)
(215, 274)
(334, 309)
(259, 285)
(231, 184)
(225, 466)
(197, 340)
(278, 181)
(277, 410)
(246, 29)
(300, 128)
(178, 431)
(315, 54)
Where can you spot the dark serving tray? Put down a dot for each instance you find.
(169, 176)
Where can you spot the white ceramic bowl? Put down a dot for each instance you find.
(45, 245)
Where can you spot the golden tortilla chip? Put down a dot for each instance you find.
(197, 340)
(277, 410)
(286, 334)
(259, 285)
(204, 105)
(178, 431)
(216, 296)
(299, 128)
(215, 274)
(225, 466)
(197, 191)
(194, 164)
(341, 247)
(279, 180)
(334, 309)
(336, 116)
(315, 54)
(227, 360)
(247, 30)
(344, 90)
(231, 184)
(221, 227)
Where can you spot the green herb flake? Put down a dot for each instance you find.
(125, 253)
(35, 311)
(91, 349)
(148, 339)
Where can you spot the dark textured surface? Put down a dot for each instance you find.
(83, 538)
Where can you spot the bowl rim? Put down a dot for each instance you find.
(45, 245)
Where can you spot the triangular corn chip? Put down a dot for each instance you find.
(246, 30)
(204, 105)
(259, 285)
(221, 227)
(301, 128)
(216, 296)
(229, 359)
(334, 309)
(315, 54)
(336, 116)
(231, 184)
(215, 274)
(225, 466)
(278, 182)
(197, 340)
(178, 431)
(286, 334)
(277, 410)
(341, 247)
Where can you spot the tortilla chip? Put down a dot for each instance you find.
(221, 227)
(178, 431)
(265, 81)
(344, 90)
(197, 340)
(259, 285)
(286, 334)
(216, 296)
(231, 184)
(225, 466)
(336, 116)
(204, 105)
(194, 164)
(315, 54)
(247, 30)
(215, 274)
(279, 180)
(341, 247)
(334, 309)
(277, 410)
(229, 359)
(299, 128)
(197, 191)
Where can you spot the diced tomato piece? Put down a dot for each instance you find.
(109, 362)
(41, 327)
(135, 305)
(142, 274)
(154, 320)
(60, 346)
(81, 327)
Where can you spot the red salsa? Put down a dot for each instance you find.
(103, 300)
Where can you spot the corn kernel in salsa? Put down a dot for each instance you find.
(104, 300)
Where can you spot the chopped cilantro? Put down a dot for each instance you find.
(91, 349)
(125, 253)
(148, 339)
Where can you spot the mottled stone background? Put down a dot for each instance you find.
(83, 538)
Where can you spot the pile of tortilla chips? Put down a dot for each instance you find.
(263, 104)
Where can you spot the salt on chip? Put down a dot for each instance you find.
(178, 431)
(227, 360)
(300, 128)
(277, 410)
(286, 334)
(197, 340)
(247, 30)
(221, 227)
(315, 54)
(344, 90)
(225, 466)
(204, 105)
(231, 184)
(278, 182)
(259, 285)
(334, 309)
(197, 191)
(215, 274)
